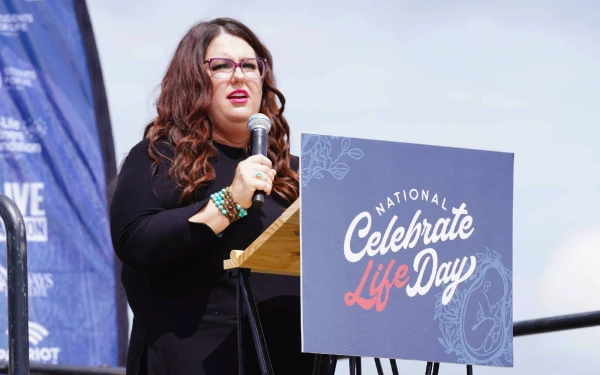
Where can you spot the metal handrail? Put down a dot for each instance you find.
(556, 323)
(16, 264)
(521, 328)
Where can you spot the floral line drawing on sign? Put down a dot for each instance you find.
(318, 158)
(476, 308)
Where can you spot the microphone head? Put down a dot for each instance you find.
(259, 121)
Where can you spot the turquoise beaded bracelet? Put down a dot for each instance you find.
(227, 205)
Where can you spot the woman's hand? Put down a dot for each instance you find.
(252, 174)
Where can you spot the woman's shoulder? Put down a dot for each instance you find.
(140, 152)
(138, 168)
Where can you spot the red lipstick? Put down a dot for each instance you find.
(238, 96)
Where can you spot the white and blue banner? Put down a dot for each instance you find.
(56, 160)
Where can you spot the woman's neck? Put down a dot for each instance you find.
(239, 140)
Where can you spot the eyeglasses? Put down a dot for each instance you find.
(254, 68)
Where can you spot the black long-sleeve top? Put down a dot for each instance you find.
(183, 301)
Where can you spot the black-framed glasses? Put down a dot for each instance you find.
(221, 67)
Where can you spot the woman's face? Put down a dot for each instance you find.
(235, 98)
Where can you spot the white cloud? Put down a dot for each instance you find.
(571, 284)
(571, 281)
(492, 100)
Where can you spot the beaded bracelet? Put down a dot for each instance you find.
(228, 205)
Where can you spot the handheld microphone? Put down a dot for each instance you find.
(259, 126)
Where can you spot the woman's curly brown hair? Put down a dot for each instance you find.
(183, 121)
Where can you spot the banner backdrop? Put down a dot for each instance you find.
(56, 158)
(406, 251)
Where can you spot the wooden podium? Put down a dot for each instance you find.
(276, 250)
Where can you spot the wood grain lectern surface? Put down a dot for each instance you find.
(276, 250)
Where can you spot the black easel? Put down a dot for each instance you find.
(245, 297)
(432, 368)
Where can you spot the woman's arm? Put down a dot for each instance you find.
(148, 228)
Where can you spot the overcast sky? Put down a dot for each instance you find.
(513, 76)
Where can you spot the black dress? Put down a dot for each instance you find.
(183, 302)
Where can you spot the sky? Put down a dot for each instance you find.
(511, 76)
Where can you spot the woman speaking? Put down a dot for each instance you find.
(183, 201)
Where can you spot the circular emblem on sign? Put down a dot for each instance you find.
(476, 325)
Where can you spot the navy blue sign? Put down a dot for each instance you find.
(406, 251)
(52, 167)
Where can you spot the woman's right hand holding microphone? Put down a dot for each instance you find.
(254, 173)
